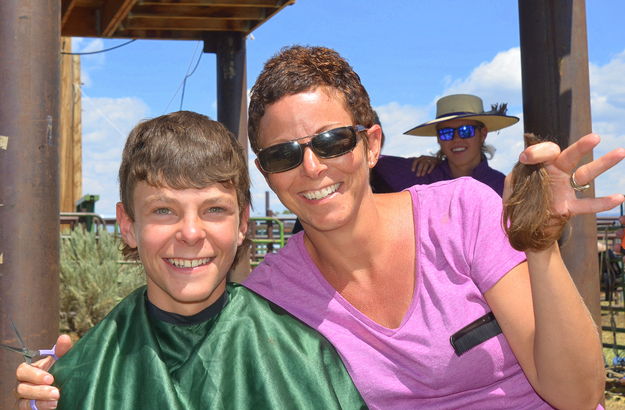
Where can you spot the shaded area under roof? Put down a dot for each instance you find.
(164, 19)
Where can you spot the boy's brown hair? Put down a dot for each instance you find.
(297, 69)
(182, 150)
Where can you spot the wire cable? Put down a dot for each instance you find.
(99, 51)
(184, 82)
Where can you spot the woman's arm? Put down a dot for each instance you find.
(537, 304)
(550, 331)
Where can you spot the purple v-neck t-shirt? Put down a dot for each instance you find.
(461, 252)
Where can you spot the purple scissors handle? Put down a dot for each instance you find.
(29, 354)
(44, 352)
(49, 352)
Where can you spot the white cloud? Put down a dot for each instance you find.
(607, 96)
(608, 79)
(91, 61)
(106, 124)
(498, 80)
(397, 119)
(89, 46)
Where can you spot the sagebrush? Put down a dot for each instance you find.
(93, 278)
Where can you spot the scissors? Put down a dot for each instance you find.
(28, 354)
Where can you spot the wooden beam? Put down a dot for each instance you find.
(227, 3)
(132, 18)
(70, 145)
(113, 14)
(82, 23)
(66, 9)
(197, 11)
(161, 34)
(275, 11)
(200, 24)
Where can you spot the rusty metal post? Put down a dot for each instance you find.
(229, 46)
(29, 197)
(231, 88)
(556, 103)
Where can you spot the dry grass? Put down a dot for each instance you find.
(615, 390)
(613, 402)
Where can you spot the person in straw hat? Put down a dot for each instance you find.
(461, 126)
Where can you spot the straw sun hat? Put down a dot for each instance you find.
(466, 106)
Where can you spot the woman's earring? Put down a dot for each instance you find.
(371, 159)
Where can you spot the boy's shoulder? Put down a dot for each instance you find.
(247, 306)
(251, 316)
(97, 337)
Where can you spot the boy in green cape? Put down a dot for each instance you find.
(188, 340)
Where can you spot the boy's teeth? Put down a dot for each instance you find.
(188, 263)
(322, 193)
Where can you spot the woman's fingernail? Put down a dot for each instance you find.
(54, 393)
(54, 404)
(522, 157)
(48, 379)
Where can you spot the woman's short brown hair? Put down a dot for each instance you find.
(297, 69)
(182, 150)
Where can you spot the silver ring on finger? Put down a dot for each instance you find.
(577, 187)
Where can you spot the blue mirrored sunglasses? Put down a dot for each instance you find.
(464, 131)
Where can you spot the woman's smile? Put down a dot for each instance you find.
(321, 193)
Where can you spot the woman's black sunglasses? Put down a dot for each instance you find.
(328, 144)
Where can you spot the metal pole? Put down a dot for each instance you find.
(556, 104)
(29, 197)
(230, 50)
(229, 46)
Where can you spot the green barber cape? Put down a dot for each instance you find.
(251, 354)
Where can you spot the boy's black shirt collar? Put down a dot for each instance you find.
(176, 319)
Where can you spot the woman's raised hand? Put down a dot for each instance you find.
(563, 174)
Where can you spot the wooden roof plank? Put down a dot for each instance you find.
(217, 3)
(161, 34)
(175, 19)
(284, 4)
(113, 13)
(66, 9)
(202, 24)
(83, 23)
(162, 10)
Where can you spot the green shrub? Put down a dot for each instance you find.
(92, 279)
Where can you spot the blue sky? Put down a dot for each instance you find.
(408, 53)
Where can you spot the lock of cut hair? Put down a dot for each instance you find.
(527, 217)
